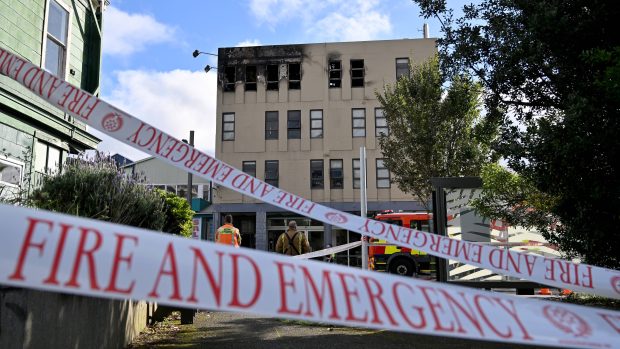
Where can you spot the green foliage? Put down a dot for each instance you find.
(551, 69)
(513, 199)
(98, 189)
(433, 132)
(179, 214)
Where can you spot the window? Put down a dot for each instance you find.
(357, 73)
(359, 122)
(294, 76)
(356, 174)
(56, 41)
(272, 77)
(10, 173)
(335, 73)
(249, 167)
(250, 78)
(48, 158)
(229, 79)
(402, 67)
(381, 126)
(316, 174)
(271, 125)
(335, 174)
(228, 126)
(294, 124)
(271, 172)
(316, 124)
(383, 175)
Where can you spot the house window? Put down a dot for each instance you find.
(335, 73)
(381, 126)
(383, 175)
(359, 122)
(271, 125)
(294, 124)
(250, 78)
(356, 174)
(229, 79)
(294, 76)
(316, 124)
(357, 73)
(335, 174)
(316, 174)
(48, 158)
(249, 167)
(228, 126)
(272, 77)
(402, 67)
(10, 174)
(271, 172)
(56, 41)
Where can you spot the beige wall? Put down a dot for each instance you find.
(337, 143)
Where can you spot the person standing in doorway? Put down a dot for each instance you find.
(292, 242)
(227, 234)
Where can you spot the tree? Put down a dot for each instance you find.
(433, 132)
(551, 70)
(179, 214)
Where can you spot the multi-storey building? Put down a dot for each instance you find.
(296, 117)
(63, 37)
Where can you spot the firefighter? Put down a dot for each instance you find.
(292, 242)
(227, 233)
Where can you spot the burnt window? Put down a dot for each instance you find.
(272, 77)
(335, 73)
(402, 67)
(294, 76)
(250, 78)
(229, 79)
(316, 124)
(271, 125)
(271, 172)
(336, 176)
(228, 126)
(249, 167)
(359, 122)
(357, 73)
(316, 174)
(294, 124)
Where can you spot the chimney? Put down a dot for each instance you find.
(425, 29)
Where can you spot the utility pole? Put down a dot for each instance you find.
(363, 204)
(189, 174)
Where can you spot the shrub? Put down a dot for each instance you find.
(97, 188)
(178, 214)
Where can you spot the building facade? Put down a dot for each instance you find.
(296, 116)
(63, 37)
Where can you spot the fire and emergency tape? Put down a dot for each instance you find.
(328, 251)
(62, 253)
(140, 135)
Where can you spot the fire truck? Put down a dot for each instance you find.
(398, 260)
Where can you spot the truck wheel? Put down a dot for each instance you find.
(402, 266)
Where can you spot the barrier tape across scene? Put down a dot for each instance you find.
(132, 131)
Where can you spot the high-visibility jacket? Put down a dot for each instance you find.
(229, 235)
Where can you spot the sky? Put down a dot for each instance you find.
(148, 69)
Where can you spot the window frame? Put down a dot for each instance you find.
(333, 82)
(47, 170)
(272, 133)
(224, 122)
(353, 118)
(248, 163)
(408, 71)
(382, 178)
(355, 79)
(318, 182)
(294, 84)
(336, 182)
(357, 179)
(296, 131)
(10, 162)
(64, 67)
(312, 128)
(269, 180)
(379, 128)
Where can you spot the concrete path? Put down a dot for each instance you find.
(233, 330)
